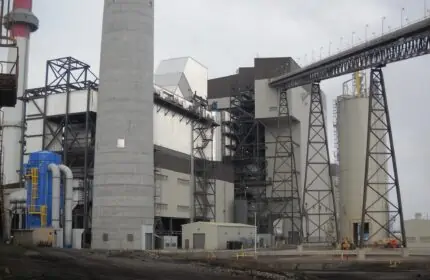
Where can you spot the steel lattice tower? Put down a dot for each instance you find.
(284, 202)
(319, 207)
(381, 175)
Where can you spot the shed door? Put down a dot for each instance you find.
(293, 237)
(148, 241)
(199, 240)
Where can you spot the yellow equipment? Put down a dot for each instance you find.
(35, 209)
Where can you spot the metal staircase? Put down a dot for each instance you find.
(204, 181)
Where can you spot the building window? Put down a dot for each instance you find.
(425, 239)
(161, 206)
(182, 208)
(160, 177)
(411, 239)
(183, 181)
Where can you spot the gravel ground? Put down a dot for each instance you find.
(21, 263)
(48, 263)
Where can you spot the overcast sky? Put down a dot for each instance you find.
(226, 34)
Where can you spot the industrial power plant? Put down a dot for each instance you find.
(189, 162)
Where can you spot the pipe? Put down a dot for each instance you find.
(56, 178)
(68, 205)
(7, 220)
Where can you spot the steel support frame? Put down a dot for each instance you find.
(284, 200)
(73, 135)
(250, 165)
(249, 159)
(203, 181)
(319, 206)
(380, 164)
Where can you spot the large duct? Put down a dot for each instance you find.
(123, 197)
(68, 186)
(56, 180)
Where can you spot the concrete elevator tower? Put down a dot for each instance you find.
(123, 192)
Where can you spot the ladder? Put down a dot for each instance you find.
(34, 209)
(34, 190)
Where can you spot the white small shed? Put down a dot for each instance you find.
(214, 236)
(418, 232)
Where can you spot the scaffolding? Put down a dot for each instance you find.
(381, 176)
(319, 206)
(248, 143)
(71, 134)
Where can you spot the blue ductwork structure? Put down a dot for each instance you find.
(38, 182)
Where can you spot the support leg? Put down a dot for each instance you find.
(381, 177)
(319, 205)
(285, 199)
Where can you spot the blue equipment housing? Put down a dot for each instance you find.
(38, 182)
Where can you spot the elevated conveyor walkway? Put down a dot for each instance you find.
(410, 41)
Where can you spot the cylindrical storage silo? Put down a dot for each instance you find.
(352, 126)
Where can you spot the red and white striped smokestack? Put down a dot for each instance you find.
(20, 22)
(27, 21)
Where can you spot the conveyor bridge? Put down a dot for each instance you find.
(405, 43)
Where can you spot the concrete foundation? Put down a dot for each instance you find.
(361, 254)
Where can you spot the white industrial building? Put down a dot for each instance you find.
(214, 236)
(175, 82)
(418, 232)
(266, 101)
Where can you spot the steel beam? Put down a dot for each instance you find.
(381, 177)
(319, 207)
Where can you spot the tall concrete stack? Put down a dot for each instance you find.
(123, 195)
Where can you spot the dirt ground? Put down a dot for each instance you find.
(48, 263)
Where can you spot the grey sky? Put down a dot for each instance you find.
(225, 34)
